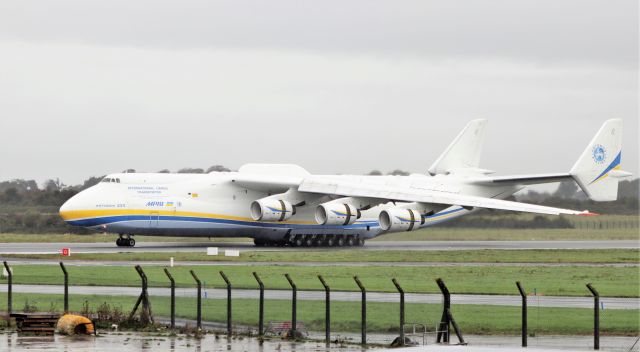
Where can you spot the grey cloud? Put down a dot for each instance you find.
(567, 31)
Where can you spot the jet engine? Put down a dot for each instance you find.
(399, 219)
(333, 213)
(270, 209)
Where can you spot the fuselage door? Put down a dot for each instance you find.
(154, 217)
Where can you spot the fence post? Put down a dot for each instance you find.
(363, 311)
(596, 316)
(146, 315)
(401, 291)
(226, 280)
(199, 300)
(173, 298)
(294, 299)
(327, 307)
(9, 291)
(523, 294)
(66, 288)
(447, 317)
(445, 326)
(261, 305)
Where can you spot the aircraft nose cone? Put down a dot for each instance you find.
(66, 208)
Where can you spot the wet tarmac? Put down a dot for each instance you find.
(134, 341)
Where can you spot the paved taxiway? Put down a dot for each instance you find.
(14, 261)
(54, 248)
(499, 300)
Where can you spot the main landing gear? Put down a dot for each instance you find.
(313, 241)
(125, 241)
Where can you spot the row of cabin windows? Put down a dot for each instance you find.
(107, 179)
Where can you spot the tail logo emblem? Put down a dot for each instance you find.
(599, 154)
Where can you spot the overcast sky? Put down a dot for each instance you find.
(92, 87)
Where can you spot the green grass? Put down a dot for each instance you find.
(351, 255)
(468, 234)
(427, 234)
(381, 317)
(101, 237)
(566, 280)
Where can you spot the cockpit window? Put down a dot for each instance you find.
(111, 179)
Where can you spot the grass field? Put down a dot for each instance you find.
(428, 234)
(351, 255)
(467, 234)
(566, 281)
(381, 317)
(101, 237)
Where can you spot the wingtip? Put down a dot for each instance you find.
(588, 213)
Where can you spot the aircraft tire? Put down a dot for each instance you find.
(351, 241)
(131, 242)
(259, 243)
(308, 241)
(119, 242)
(360, 242)
(330, 241)
(340, 242)
(298, 241)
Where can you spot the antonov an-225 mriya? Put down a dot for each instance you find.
(277, 204)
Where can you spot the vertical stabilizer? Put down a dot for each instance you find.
(598, 168)
(464, 151)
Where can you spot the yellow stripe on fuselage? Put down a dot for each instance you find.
(72, 215)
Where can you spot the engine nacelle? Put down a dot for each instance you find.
(270, 209)
(334, 213)
(398, 219)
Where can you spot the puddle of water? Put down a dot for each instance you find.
(136, 341)
(125, 342)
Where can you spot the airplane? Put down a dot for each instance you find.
(284, 205)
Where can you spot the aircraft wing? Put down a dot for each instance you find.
(409, 194)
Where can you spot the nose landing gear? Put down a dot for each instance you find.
(125, 242)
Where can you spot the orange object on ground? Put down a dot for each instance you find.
(70, 324)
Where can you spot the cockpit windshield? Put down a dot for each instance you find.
(110, 179)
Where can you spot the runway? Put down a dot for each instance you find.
(209, 293)
(172, 247)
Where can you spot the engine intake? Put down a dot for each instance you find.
(397, 219)
(336, 214)
(272, 210)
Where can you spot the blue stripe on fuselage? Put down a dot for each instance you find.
(91, 222)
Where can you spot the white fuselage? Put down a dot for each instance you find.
(212, 205)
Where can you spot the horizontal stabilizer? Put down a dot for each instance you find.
(523, 179)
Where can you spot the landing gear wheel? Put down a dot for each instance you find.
(360, 242)
(131, 242)
(298, 241)
(308, 241)
(351, 241)
(259, 243)
(340, 242)
(330, 242)
(119, 242)
(318, 242)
